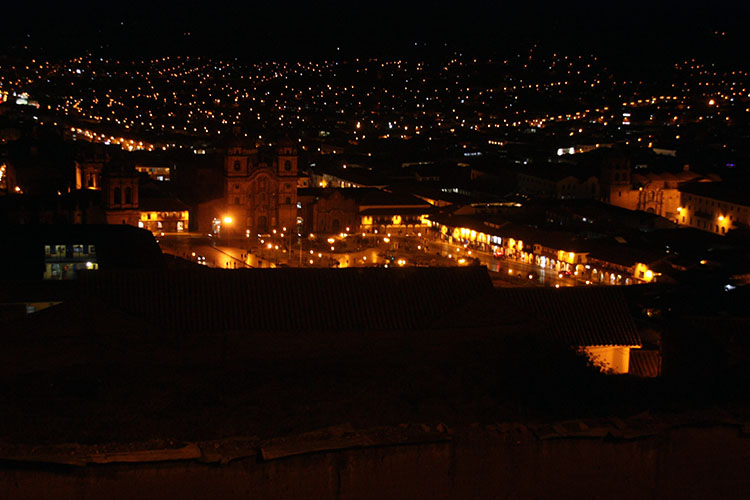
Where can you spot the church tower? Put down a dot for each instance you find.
(287, 158)
(616, 182)
(286, 165)
(238, 164)
(120, 191)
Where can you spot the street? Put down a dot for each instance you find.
(370, 250)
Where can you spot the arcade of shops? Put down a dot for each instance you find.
(548, 251)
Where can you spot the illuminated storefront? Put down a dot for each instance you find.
(176, 221)
(62, 262)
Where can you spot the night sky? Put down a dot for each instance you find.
(633, 32)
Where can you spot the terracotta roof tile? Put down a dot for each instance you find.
(645, 363)
(581, 316)
(289, 299)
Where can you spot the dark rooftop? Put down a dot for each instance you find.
(582, 316)
(724, 191)
(289, 299)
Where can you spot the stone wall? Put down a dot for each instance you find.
(477, 462)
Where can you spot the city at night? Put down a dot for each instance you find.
(378, 250)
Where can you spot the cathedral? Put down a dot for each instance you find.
(260, 193)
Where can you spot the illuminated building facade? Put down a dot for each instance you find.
(382, 211)
(7, 179)
(328, 211)
(592, 261)
(260, 196)
(156, 172)
(123, 203)
(89, 174)
(655, 193)
(174, 219)
(716, 207)
(62, 262)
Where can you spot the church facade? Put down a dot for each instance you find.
(260, 195)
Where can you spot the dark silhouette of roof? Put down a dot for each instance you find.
(645, 363)
(609, 250)
(581, 316)
(117, 246)
(120, 165)
(724, 191)
(556, 172)
(356, 299)
(162, 204)
(383, 198)
(399, 211)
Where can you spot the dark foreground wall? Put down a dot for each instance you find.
(680, 463)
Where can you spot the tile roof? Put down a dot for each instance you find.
(580, 316)
(645, 363)
(609, 250)
(383, 198)
(398, 211)
(355, 299)
(162, 204)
